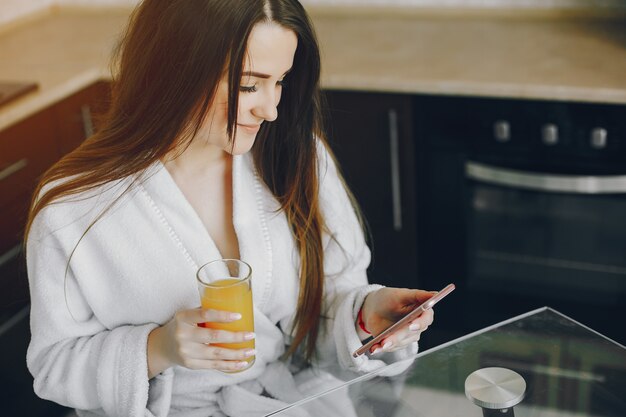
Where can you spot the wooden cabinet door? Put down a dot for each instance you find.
(27, 149)
(77, 115)
(371, 135)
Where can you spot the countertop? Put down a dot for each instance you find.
(547, 55)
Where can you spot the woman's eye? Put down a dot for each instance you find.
(246, 89)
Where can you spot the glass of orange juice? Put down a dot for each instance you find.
(226, 285)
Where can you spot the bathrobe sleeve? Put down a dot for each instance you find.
(76, 361)
(346, 258)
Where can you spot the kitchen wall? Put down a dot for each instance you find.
(11, 10)
(14, 9)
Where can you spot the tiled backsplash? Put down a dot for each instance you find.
(14, 9)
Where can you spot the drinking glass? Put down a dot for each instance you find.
(225, 284)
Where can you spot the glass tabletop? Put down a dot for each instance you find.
(569, 370)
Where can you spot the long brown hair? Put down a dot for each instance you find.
(168, 66)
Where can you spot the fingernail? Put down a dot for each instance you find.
(249, 352)
(414, 327)
(249, 336)
(241, 365)
(234, 316)
(387, 344)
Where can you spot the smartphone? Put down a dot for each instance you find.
(404, 321)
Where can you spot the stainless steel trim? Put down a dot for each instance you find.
(10, 254)
(85, 114)
(584, 184)
(13, 168)
(396, 192)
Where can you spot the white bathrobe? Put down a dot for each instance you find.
(136, 267)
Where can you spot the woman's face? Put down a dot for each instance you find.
(270, 53)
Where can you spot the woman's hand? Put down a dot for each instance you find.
(384, 307)
(182, 342)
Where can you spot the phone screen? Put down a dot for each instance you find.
(404, 321)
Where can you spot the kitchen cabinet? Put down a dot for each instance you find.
(372, 136)
(422, 166)
(77, 115)
(27, 149)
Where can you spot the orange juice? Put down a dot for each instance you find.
(233, 295)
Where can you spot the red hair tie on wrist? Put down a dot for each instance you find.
(359, 320)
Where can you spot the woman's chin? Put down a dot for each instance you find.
(242, 146)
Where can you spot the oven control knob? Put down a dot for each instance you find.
(502, 131)
(598, 138)
(550, 134)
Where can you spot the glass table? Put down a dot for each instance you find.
(569, 370)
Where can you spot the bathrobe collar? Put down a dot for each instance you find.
(192, 238)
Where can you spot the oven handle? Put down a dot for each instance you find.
(576, 184)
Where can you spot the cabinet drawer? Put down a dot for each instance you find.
(27, 149)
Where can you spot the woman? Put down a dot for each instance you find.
(193, 163)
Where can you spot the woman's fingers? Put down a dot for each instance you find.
(206, 335)
(193, 340)
(426, 319)
(393, 343)
(407, 335)
(200, 315)
(422, 322)
(421, 296)
(225, 366)
(209, 352)
(201, 356)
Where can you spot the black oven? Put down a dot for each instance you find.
(522, 204)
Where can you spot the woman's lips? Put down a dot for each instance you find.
(249, 128)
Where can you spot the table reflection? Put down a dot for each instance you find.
(569, 369)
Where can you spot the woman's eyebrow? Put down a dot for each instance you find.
(261, 75)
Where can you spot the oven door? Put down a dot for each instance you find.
(559, 235)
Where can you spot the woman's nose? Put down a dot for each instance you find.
(267, 107)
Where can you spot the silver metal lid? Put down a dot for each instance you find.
(495, 388)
